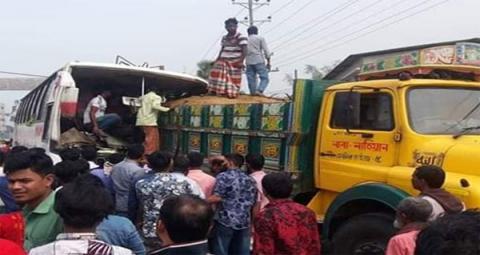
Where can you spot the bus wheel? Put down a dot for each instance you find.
(364, 234)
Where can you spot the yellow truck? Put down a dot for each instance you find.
(352, 146)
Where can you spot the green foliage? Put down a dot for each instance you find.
(204, 68)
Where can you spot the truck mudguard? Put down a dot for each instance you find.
(381, 193)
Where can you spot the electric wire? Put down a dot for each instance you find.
(350, 25)
(319, 50)
(314, 22)
(296, 38)
(289, 17)
(23, 74)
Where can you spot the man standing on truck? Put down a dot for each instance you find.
(429, 181)
(226, 75)
(147, 117)
(257, 52)
(94, 117)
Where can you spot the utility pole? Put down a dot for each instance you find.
(251, 6)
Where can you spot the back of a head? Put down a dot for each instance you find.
(81, 166)
(89, 152)
(253, 30)
(37, 150)
(135, 151)
(18, 148)
(187, 218)
(115, 158)
(277, 185)
(255, 161)
(70, 154)
(83, 203)
(66, 171)
(236, 159)
(451, 234)
(180, 164)
(434, 176)
(195, 159)
(415, 209)
(159, 161)
(38, 162)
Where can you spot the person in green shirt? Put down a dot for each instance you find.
(30, 178)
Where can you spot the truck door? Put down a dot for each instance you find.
(357, 139)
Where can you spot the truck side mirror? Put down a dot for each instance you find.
(346, 110)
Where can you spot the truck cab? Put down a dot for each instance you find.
(372, 135)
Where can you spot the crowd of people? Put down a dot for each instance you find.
(167, 204)
(155, 203)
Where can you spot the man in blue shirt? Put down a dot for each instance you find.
(235, 194)
(123, 175)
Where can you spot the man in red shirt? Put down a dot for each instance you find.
(284, 227)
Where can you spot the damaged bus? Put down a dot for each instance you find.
(51, 115)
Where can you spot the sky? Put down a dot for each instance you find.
(38, 37)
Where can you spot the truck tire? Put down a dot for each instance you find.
(364, 234)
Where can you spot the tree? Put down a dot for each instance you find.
(318, 73)
(288, 79)
(204, 68)
(314, 72)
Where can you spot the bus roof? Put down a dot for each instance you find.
(139, 69)
(195, 80)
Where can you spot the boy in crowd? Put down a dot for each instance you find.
(82, 204)
(30, 177)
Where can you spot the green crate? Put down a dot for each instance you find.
(274, 117)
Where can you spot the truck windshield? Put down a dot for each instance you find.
(444, 110)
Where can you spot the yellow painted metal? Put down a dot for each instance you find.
(391, 156)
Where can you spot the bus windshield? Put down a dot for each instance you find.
(434, 110)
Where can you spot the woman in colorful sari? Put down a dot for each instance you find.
(226, 75)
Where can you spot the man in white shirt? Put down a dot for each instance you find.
(94, 117)
(257, 52)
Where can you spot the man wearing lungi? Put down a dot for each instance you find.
(226, 75)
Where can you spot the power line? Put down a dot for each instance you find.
(281, 7)
(289, 17)
(361, 29)
(296, 38)
(23, 74)
(310, 54)
(306, 53)
(350, 25)
(251, 6)
(316, 21)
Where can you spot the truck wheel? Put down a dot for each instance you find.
(364, 234)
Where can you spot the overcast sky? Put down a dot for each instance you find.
(38, 37)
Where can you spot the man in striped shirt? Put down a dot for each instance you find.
(226, 75)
